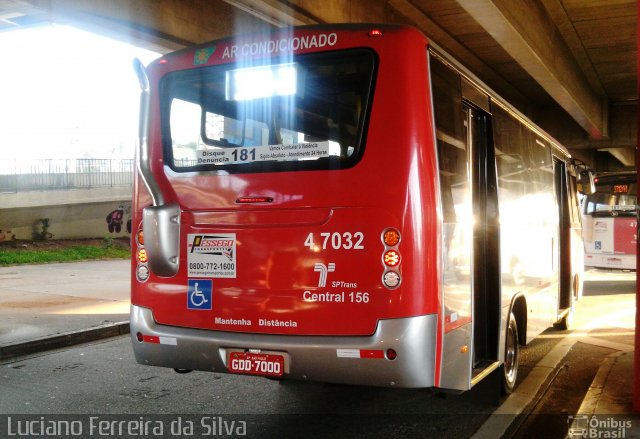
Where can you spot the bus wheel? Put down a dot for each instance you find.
(511, 356)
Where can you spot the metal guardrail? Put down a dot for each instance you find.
(62, 174)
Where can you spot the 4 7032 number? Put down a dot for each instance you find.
(336, 241)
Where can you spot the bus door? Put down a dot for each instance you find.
(486, 248)
(470, 295)
(563, 254)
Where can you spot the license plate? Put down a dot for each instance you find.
(256, 364)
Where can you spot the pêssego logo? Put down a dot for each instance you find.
(213, 245)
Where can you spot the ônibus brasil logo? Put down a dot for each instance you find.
(213, 245)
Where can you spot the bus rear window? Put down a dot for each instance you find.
(612, 199)
(306, 113)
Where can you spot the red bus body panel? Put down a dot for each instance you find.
(624, 233)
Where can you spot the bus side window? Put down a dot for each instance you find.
(453, 161)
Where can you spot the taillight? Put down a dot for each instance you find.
(391, 237)
(391, 279)
(142, 273)
(142, 255)
(391, 258)
(140, 238)
(253, 200)
(142, 269)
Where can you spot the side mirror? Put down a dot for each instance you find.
(586, 182)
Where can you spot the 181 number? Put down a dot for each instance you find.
(243, 155)
(336, 241)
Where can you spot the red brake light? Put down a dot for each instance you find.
(250, 200)
(375, 33)
(391, 237)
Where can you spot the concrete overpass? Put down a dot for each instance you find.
(570, 65)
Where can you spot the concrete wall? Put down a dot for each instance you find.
(71, 214)
(66, 222)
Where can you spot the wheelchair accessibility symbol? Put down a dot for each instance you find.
(199, 294)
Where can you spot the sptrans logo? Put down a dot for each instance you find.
(220, 245)
(324, 270)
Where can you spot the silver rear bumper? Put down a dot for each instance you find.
(313, 358)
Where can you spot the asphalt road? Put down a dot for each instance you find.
(102, 378)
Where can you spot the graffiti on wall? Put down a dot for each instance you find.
(41, 229)
(115, 219)
(6, 235)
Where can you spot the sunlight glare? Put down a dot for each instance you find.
(67, 93)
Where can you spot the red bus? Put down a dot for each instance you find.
(344, 204)
(609, 222)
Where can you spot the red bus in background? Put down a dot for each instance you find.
(609, 222)
(344, 204)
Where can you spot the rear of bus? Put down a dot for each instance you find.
(286, 209)
(609, 222)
